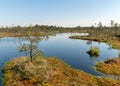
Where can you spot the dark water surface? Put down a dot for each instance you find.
(71, 51)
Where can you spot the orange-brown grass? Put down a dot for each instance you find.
(111, 66)
(115, 43)
(87, 38)
(49, 72)
(112, 40)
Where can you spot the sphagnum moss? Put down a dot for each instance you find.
(110, 66)
(49, 72)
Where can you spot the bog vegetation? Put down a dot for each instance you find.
(110, 66)
(51, 71)
(94, 52)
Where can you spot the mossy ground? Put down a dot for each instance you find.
(111, 66)
(49, 72)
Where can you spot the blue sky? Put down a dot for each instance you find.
(58, 12)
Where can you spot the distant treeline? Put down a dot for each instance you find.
(113, 29)
(42, 28)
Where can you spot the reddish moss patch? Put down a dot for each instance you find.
(48, 72)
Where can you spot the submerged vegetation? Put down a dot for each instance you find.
(49, 72)
(110, 66)
(94, 52)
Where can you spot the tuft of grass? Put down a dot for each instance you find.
(94, 51)
(119, 55)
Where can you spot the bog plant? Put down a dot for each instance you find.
(119, 55)
(94, 52)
